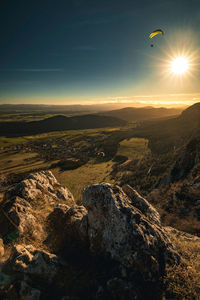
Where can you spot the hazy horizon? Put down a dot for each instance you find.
(145, 101)
(110, 105)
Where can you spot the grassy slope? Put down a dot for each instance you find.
(18, 163)
(134, 148)
(91, 173)
(76, 180)
(182, 281)
(9, 141)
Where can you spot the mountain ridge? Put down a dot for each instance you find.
(142, 113)
(58, 123)
(165, 135)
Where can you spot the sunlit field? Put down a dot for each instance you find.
(77, 180)
(21, 162)
(134, 148)
(9, 141)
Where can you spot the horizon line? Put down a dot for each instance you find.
(131, 104)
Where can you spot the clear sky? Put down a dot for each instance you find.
(98, 51)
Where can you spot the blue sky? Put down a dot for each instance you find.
(82, 51)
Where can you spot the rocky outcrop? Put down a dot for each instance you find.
(29, 260)
(40, 184)
(29, 202)
(115, 240)
(126, 232)
(26, 292)
(142, 204)
(71, 224)
(34, 270)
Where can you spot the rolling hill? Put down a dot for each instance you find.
(165, 135)
(58, 123)
(132, 114)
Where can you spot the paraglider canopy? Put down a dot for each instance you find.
(101, 154)
(155, 32)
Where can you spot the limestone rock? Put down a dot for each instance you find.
(29, 202)
(115, 222)
(68, 225)
(77, 221)
(28, 293)
(29, 260)
(20, 212)
(117, 228)
(142, 204)
(37, 185)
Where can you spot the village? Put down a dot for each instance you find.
(59, 148)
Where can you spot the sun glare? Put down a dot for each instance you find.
(179, 65)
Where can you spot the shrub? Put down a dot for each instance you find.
(120, 158)
(70, 164)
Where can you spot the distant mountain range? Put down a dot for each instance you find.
(28, 108)
(159, 125)
(132, 114)
(60, 109)
(58, 123)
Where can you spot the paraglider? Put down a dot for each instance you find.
(101, 154)
(154, 33)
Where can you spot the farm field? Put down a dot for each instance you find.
(134, 148)
(54, 150)
(9, 141)
(20, 162)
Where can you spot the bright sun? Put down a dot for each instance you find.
(179, 65)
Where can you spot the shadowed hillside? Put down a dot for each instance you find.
(169, 134)
(58, 123)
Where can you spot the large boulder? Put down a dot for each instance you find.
(142, 204)
(40, 184)
(35, 262)
(68, 228)
(26, 292)
(27, 204)
(19, 213)
(127, 231)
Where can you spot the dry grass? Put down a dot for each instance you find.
(134, 148)
(76, 180)
(183, 281)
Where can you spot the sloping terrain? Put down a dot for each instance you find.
(114, 244)
(187, 159)
(111, 247)
(58, 123)
(167, 135)
(133, 114)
